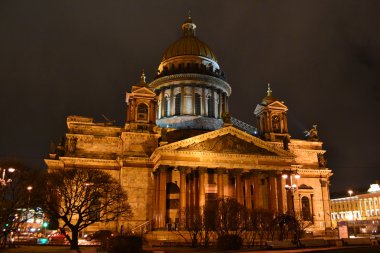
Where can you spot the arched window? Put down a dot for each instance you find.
(142, 112)
(276, 124)
(166, 106)
(210, 107)
(197, 104)
(306, 215)
(177, 104)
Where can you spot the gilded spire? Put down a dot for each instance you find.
(189, 17)
(142, 77)
(269, 91)
(188, 26)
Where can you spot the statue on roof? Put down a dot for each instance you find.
(226, 117)
(312, 134)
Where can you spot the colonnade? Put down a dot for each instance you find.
(190, 107)
(199, 187)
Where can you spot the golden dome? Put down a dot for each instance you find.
(189, 44)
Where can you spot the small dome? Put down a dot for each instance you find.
(269, 98)
(189, 44)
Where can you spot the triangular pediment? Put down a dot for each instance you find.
(143, 91)
(227, 140)
(228, 143)
(277, 105)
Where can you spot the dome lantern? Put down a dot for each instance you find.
(188, 27)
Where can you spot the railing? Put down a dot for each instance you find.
(142, 228)
(244, 126)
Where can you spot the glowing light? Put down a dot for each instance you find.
(374, 188)
(11, 170)
(297, 176)
(29, 188)
(284, 176)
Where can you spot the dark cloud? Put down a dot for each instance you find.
(59, 58)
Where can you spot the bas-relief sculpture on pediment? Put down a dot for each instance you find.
(228, 144)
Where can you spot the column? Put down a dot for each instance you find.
(193, 98)
(202, 195)
(203, 109)
(285, 123)
(257, 195)
(162, 102)
(196, 188)
(182, 99)
(162, 198)
(213, 103)
(312, 207)
(281, 193)
(269, 123)
(326, 202)
(190, 192)
(227, 109)
(220, 183)
(155, 199)
(220, 104)
(238, 187)
(247, 186)
(273, 193)
(172, 106)
(290, 196)
(182, 197)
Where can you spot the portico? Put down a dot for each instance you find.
(248, 170)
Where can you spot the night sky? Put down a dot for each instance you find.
(60, 58)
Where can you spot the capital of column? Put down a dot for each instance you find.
(254, 172)
(163, 168)
(237, 172)
(220, 171)
(182, 169)
(202, 170)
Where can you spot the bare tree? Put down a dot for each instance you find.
(81, 197)
(230, 223)
(230, 217)
(194, 224)
(199, 224)
(291, 226)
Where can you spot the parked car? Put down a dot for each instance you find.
(25, 237)
(56, 236)
(99, 235)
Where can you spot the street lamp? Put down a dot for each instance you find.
(350, 192)
(29, 188)
(4, 181)
(291, 187)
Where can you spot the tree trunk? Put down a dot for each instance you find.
(74, 239)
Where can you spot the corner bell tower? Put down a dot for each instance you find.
(141, 102)
(272, 123)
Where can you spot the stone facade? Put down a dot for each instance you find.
(175, 151)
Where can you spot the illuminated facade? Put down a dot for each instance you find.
(179, 148)
(358, 207)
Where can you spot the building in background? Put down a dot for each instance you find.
(362, 211)
(180, 149)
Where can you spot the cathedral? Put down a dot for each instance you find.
(180, 148)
